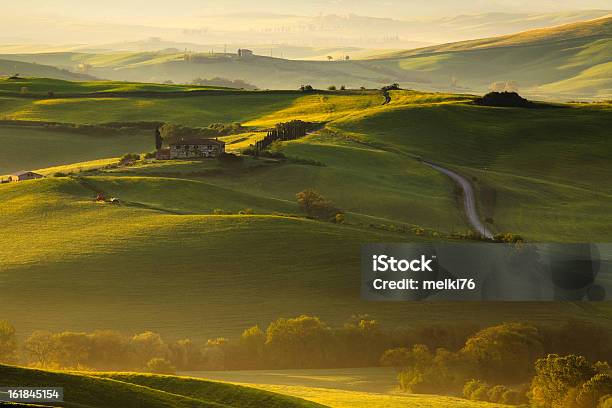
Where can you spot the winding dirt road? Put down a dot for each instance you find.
(469, 199)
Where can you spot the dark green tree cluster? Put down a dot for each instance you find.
(284, 131)
(316, 206)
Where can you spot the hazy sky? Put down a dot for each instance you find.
(154, 10)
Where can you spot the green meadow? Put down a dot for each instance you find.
(178, 238)
(340, 388)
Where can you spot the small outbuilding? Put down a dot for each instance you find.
(25, 175)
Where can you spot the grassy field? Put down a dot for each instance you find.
(34, 147)
(340, 388)
(207, 270)
(93, 390)
(544, 164)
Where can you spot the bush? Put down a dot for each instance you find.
(149, 155)
(503, 99)
(339, 218)
(246, 211)
(508, 238)
(331, 87)
(317, 206)
(129, 158)
(160, 366)
(60, 174)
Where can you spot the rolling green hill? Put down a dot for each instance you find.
(538, 173)
(565, 61)
(92, 390)
(561, 63)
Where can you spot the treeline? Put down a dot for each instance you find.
(224, 82)
(513, 363)
(284, 131)
(455, 359)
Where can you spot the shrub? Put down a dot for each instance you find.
(508, 238)
(339, 218)
(129, 158)
(59, 174)
(317, 206)
(159, 365)
(149, 155)
(246, 211)
(503, 99)
(331, 87)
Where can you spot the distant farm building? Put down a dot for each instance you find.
(25, 175)
(192, 149)
(242, 53)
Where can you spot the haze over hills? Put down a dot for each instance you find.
(265, 31)
(559, 63)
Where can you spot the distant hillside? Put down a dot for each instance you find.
(562, 62)
(23, 68)
(568, 61)
(595, 28)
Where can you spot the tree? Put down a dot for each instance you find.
(330, 58)
(72, 349)
(41, 348)
(505, 352)
(147, 346)
(315, 205)
(158, 139)
(160, 366)
(556, 376)
(185, 355)
(300, 342)
(254, 341)
(398, 358)
(331, 87)
(8, 342)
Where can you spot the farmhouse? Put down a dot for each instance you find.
(25, 175)
(244, 53)
(192, 149)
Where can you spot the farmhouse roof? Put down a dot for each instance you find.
(196, 142)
